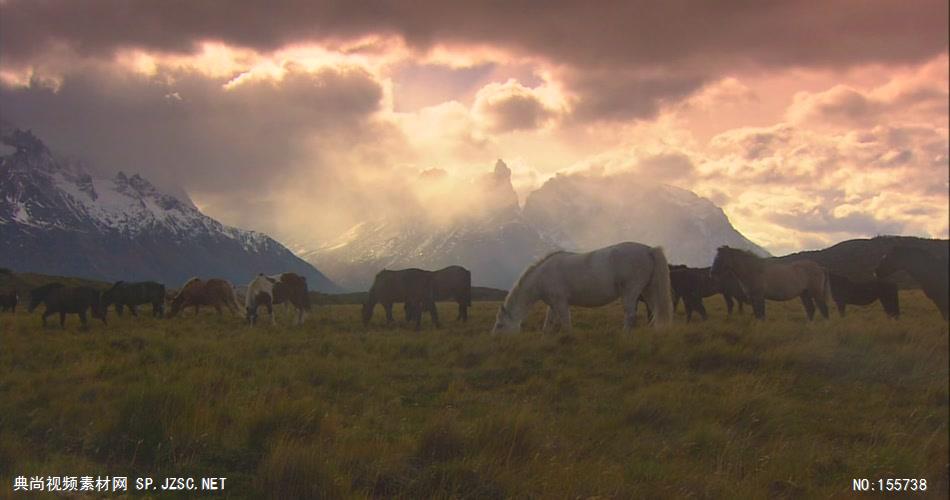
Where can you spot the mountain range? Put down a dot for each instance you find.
(56, 218)
(575, 212)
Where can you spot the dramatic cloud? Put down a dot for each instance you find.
(512, 106)
(808, 123)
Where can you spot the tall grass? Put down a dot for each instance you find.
(725, 408)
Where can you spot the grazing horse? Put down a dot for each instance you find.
(763, 279)
(39, 293)
(9, 300)
(410, 286)
(844, 292)
(927, 269)
(133, 294)
(260, 292)
(563, 279)
(455, 283)
(214, 292)
(292, 289)
(694, 284)
(72, 300)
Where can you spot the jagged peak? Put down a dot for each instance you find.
(24, 141)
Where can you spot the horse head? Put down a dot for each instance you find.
(505, 323)
(891, 262)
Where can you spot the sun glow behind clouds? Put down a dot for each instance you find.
(798, 154)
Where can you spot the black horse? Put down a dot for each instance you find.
(68, 300)
(9, 301)
(133, 294)
(692, 285)
(450, 283)
(413, 287)
(844, 292)
(927, 269)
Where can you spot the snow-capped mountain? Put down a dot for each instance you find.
(495, 242)
(571, 212)
(55, 218)
(581, 212)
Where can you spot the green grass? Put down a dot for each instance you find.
(727, 408)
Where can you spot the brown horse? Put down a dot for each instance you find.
(763, 279)
(292, 289)
(927, 269)
(214, 292)
(413, 287)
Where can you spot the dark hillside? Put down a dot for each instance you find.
(858, 258)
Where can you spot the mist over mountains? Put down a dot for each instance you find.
(495, 238)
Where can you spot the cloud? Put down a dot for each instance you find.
(193, 129)
(511, 106)
(920, 96)
(620, 59)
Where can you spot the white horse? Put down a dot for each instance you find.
(260, 292)
(562, 279)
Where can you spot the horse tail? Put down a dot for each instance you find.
(659, 289)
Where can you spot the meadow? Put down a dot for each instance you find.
(728, 408)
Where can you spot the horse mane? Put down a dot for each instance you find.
(530, 269)
(187, 284)
(114, 285)
(746, 257)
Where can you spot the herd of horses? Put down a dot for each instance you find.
(60, 299)
(630, 272)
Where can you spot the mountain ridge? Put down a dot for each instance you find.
(57, 218)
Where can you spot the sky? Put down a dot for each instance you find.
(807, 122)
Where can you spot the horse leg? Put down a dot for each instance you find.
(45, 314)
(841, 305)
(82, 318)
(197, 307)
(822, 305)
(133, 311)
(118, 310)
(433, 313)
(758, 307)
(217, 307)
(688, 306)
(270, 312)
(550, 321)
(630, 301)
(729, 303)
(62, 320)
(701, 308)
(809, 305)
(564, 316)
(388, 307)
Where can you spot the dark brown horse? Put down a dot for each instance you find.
(844, 292)
(763, 279)
(292, 289)
(124, 294)
(927, 269)
(72, 300)
(214, 292)
(9, 301)
(410, 286)
(694, 284)
(451, 283)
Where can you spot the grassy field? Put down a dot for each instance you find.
(727, 408)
